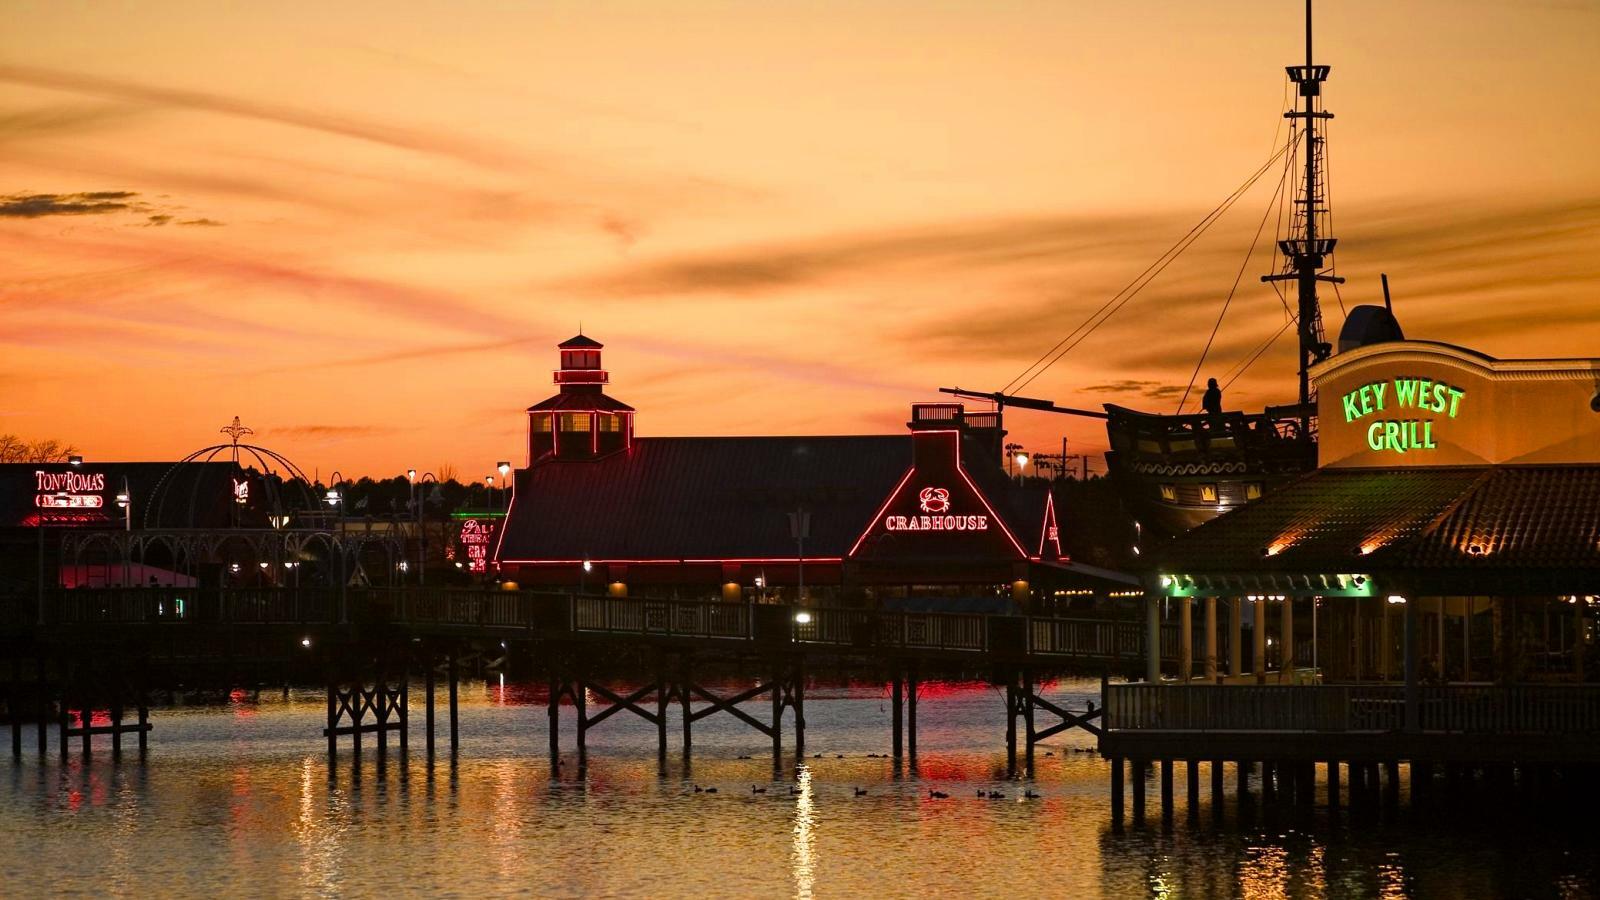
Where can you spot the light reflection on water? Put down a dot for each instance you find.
(238, 799)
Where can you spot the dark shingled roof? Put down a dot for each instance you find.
(1537, 517)
(705, 498)
(715, 498)
(581, 342)
(1459, 518)
(582, 402)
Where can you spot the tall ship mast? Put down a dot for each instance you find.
(1175, 471)
(1307, 249)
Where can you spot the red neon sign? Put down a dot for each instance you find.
(475, 537)
(69, 490)
(930, 508)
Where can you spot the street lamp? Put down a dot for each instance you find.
(74, 460)
(336, 500)
(504, 468)
(583, 577)
(125, 502)
(417, 501)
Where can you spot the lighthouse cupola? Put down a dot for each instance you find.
(580, 421)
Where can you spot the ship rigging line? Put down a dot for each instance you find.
(1233, 376)
(1132, 289)
(1272, 203)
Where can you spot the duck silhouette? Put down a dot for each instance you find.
(698, 789)
(1029, 795)
(757, 790)
(861, 792)
(793, 790)
(937, 795)
(711, 790)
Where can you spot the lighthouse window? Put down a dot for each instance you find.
(541, 423)
(574, 421)
(610, 423)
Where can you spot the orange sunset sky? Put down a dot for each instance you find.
(362, 227)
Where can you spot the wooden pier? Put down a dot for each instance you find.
(367, 645)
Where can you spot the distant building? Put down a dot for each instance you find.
(925, 519)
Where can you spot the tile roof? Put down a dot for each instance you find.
(1322, 521)
(1536, 517)
(1458, 518)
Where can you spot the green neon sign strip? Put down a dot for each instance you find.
(1402, 435)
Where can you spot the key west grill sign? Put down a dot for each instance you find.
(1419, 403)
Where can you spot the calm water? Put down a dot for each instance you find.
(237, 800)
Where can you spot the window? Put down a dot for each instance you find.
(610, 423)
(574, 421)
(1252, 491)
(541, 423)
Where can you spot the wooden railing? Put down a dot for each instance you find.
(458, 607)
(666, 618)
(1486, 709)
(897, 630)
(1100, 639)
(1525, 708)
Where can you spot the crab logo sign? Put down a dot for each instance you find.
(935, 501)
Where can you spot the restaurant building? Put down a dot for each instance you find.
(1451, 531)
(925, 519)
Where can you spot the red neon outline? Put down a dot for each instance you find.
(594, 434)
(879, 514)
(1044, 529)
(1007, 531)
(964, 477)
(510, 508)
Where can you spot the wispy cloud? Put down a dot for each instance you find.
(340, 123)
(329, 431)
(1154, 390)
(90, 203)
(965, 246)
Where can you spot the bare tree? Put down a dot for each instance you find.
(16, 450)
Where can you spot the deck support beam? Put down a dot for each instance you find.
(1211, 640)
(1152, 637)
(1235, 637)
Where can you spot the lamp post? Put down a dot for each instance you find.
(125, 501)
(583, 576)
(336, 500)
(504, 468)
(418, 499)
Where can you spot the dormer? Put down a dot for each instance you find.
(579, 422)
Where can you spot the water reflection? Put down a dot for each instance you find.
(804, 839)
(243, 804)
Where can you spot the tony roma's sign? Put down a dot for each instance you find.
(69, 490)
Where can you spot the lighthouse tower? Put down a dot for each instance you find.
(580, 422)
